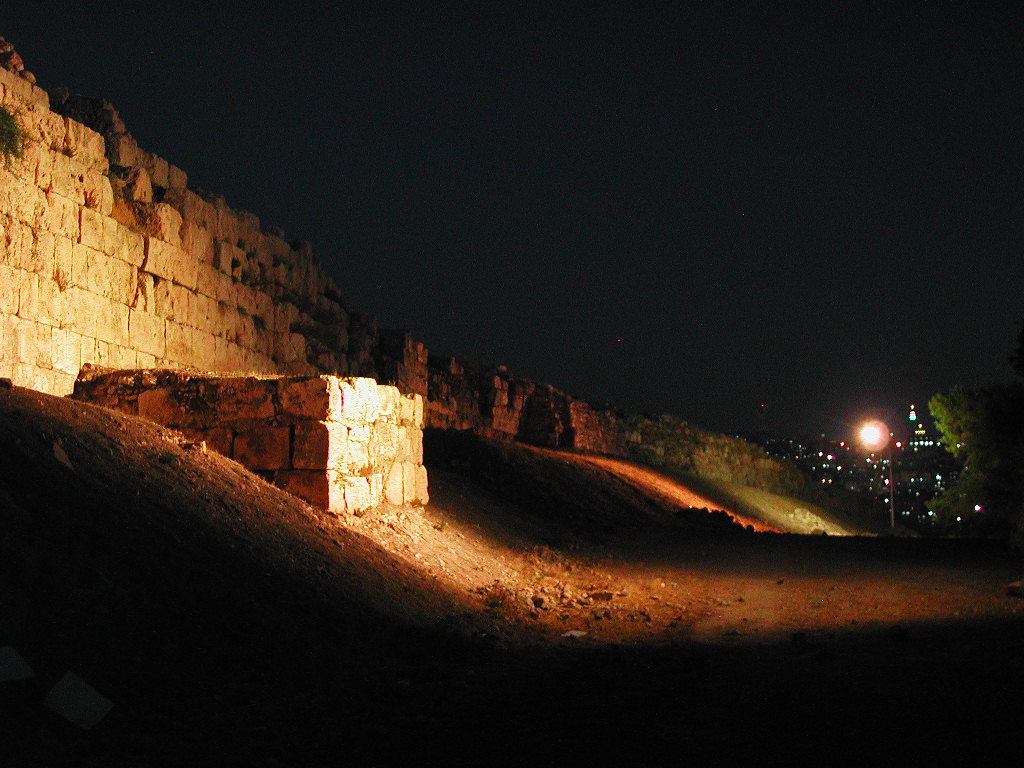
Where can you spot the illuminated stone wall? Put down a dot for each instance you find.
(343, 444)
(108, 257)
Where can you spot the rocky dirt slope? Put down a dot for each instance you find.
(542, 610)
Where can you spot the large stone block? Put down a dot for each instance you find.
(170, 263)
(85, 145)
(394, 484)
(316, 398)
(66, 350)
(10, 288)
(146, 333)
(123, 243)
(263, 448)
(179, 343)
(28, 296)
(319, 488)
(60, 216)
(360, 401)
(55, 307)
(91, 228)
(324, 445)
(110, 277)
(383, 445)
(242, 399)
(173, 301)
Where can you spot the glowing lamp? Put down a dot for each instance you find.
(874, 435)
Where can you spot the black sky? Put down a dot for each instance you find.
(821, 211)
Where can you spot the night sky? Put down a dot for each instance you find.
(754, 218)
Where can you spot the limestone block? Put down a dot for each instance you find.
(406, 410)
(219, 439)
(24, 200)
(52, 130)
(146, 333)
(55, 307)
(360, 401)
(245, 297)
(85, 145)
(195, 209)
(421, 494)
(197, 241)
(138, 187)
(227, 225)
(91, 228)
(19, 243)
(263, 448)
(67, 178)
(110, 318)
(289, 348)
(173, 301)
(143, 361)
(88, 348)
(145, 293)
(115, 356)
(60, 216)
(122, 150)
(208, 280)
(28, 295)
(417, 413)
(242, 399)
(159, 169)
(179, 343)
(323, 445)
(358, 494)
(37, 341)
(204, 350)
(66, 350)
(170, 263)
(113, 278)
(177, 178)
(99, 195)
(393, 484)
(163, 221)
(205, 312)
(10, 338)
(18, 89)
(160, 405)
(285, 313)
(10, 289)
(322, 489)
(123, 243)
(227, 257)
(80, 264)
(317, 398)
(383, 446)
(390, 403)
(40, 255)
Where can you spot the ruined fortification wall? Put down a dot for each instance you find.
(108, 257)
(342, 444)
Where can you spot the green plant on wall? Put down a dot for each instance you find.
(12, 136)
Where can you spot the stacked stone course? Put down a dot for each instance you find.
(108, 257)
(342, 444)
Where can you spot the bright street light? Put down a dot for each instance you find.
(875, 436)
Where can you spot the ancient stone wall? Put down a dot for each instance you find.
(342, 444)
(108, 257)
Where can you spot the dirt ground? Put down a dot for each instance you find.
(544, 609)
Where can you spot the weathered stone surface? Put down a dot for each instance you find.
(317, 398)
(319, 488)
(263, 448)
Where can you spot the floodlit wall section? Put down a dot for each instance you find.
(342, 444)
(107, 257)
